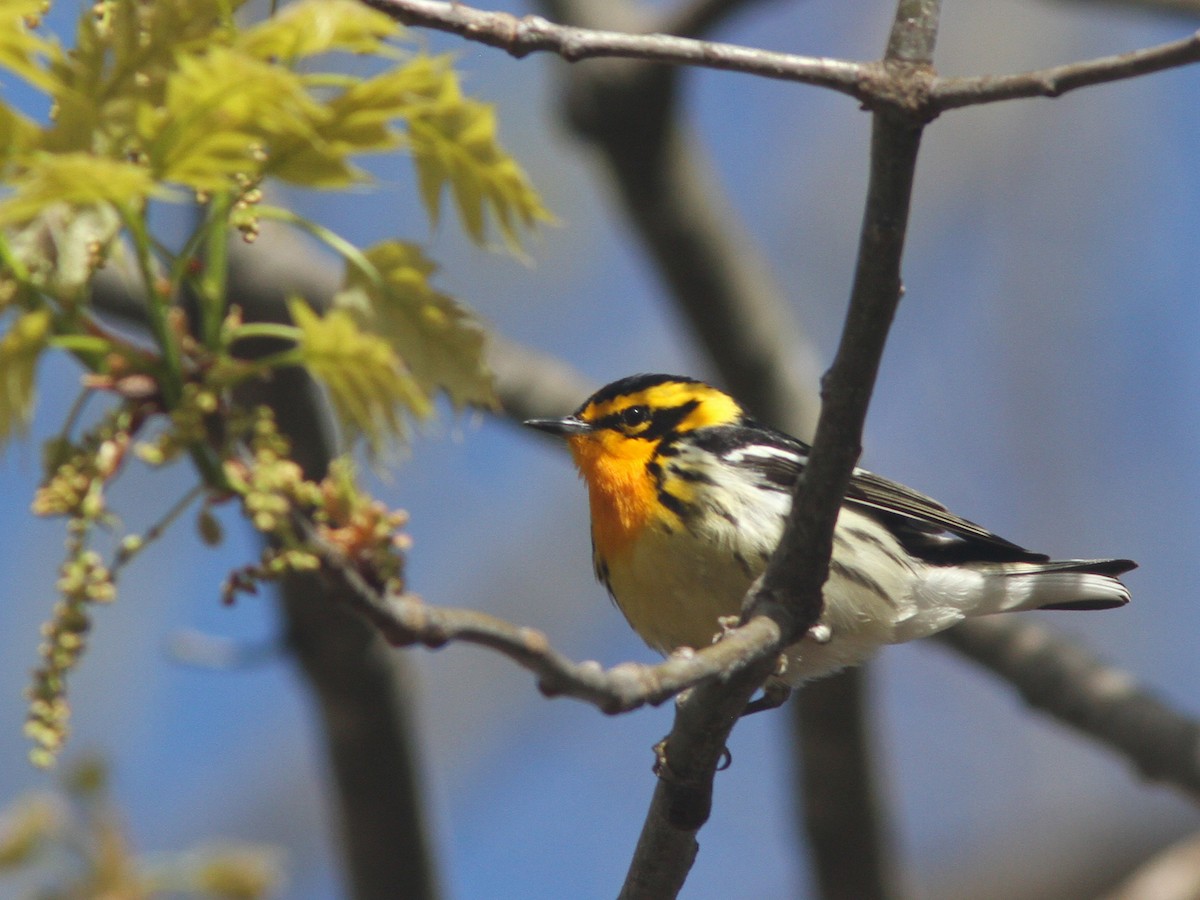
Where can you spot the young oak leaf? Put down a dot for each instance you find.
(20, 348)
(23, 50)
(27, 826)
(440, 342)
(224, 112)
(361, 119)
(116, 72)
(367, 384)
(76, 179)
(453, 142)
(313, 27)
(17, 133)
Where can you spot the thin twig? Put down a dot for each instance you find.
(404, 619)
(1183, 8)
(791, 586)
(954, 93)
(864, 81)
(520, 36)
(843, 819)
(689, 758)
(846, 392)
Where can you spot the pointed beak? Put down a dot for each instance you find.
(564, 427)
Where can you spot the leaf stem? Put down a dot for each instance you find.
(265, 330)
(216, 268)
(127, 552)
(157, 308)
(331, 239)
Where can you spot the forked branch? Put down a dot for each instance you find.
(873, 85)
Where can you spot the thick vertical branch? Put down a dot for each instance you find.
(362, 693)
(844, 828)
(689, 759)
(361, 686)
(842, 818)
(629, 111)
(1098, 700)
(789, 591)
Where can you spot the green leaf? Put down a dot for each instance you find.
(117, 71)
(360, 120)
(17, 133)
(20, 348)
(368, 386)
(318, 26)
(22, 50)
(27, 826)
(223, 114)
(439, 341)
(76, 179)
(454, 143)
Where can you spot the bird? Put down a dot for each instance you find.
(689, 495)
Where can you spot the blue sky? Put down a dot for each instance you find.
(1041, 379)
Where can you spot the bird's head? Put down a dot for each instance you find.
(623, 424)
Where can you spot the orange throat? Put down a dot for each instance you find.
(620, 490)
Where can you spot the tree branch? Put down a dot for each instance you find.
(954, 93)
(1189, 8)
(628, 110)
(689, 758)
(1173, 874)
(531, 34)
(1103, 702)
(846, 389)
(863, 81)
(403, 620)
(791, 586)
(842, 815)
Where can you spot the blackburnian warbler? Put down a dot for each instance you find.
(688, 500)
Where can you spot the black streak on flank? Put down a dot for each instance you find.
(865, 537)
(724, 514)
(693, 475)
(743, 565)
(861, 578)
(671, 502)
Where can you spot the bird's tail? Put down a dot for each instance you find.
(1061, 584)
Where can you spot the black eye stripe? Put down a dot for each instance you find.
(661, 421)
(667, 419)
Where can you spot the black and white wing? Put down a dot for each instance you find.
(927, 529)
(923, 526)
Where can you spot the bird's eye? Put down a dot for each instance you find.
(633, 416)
